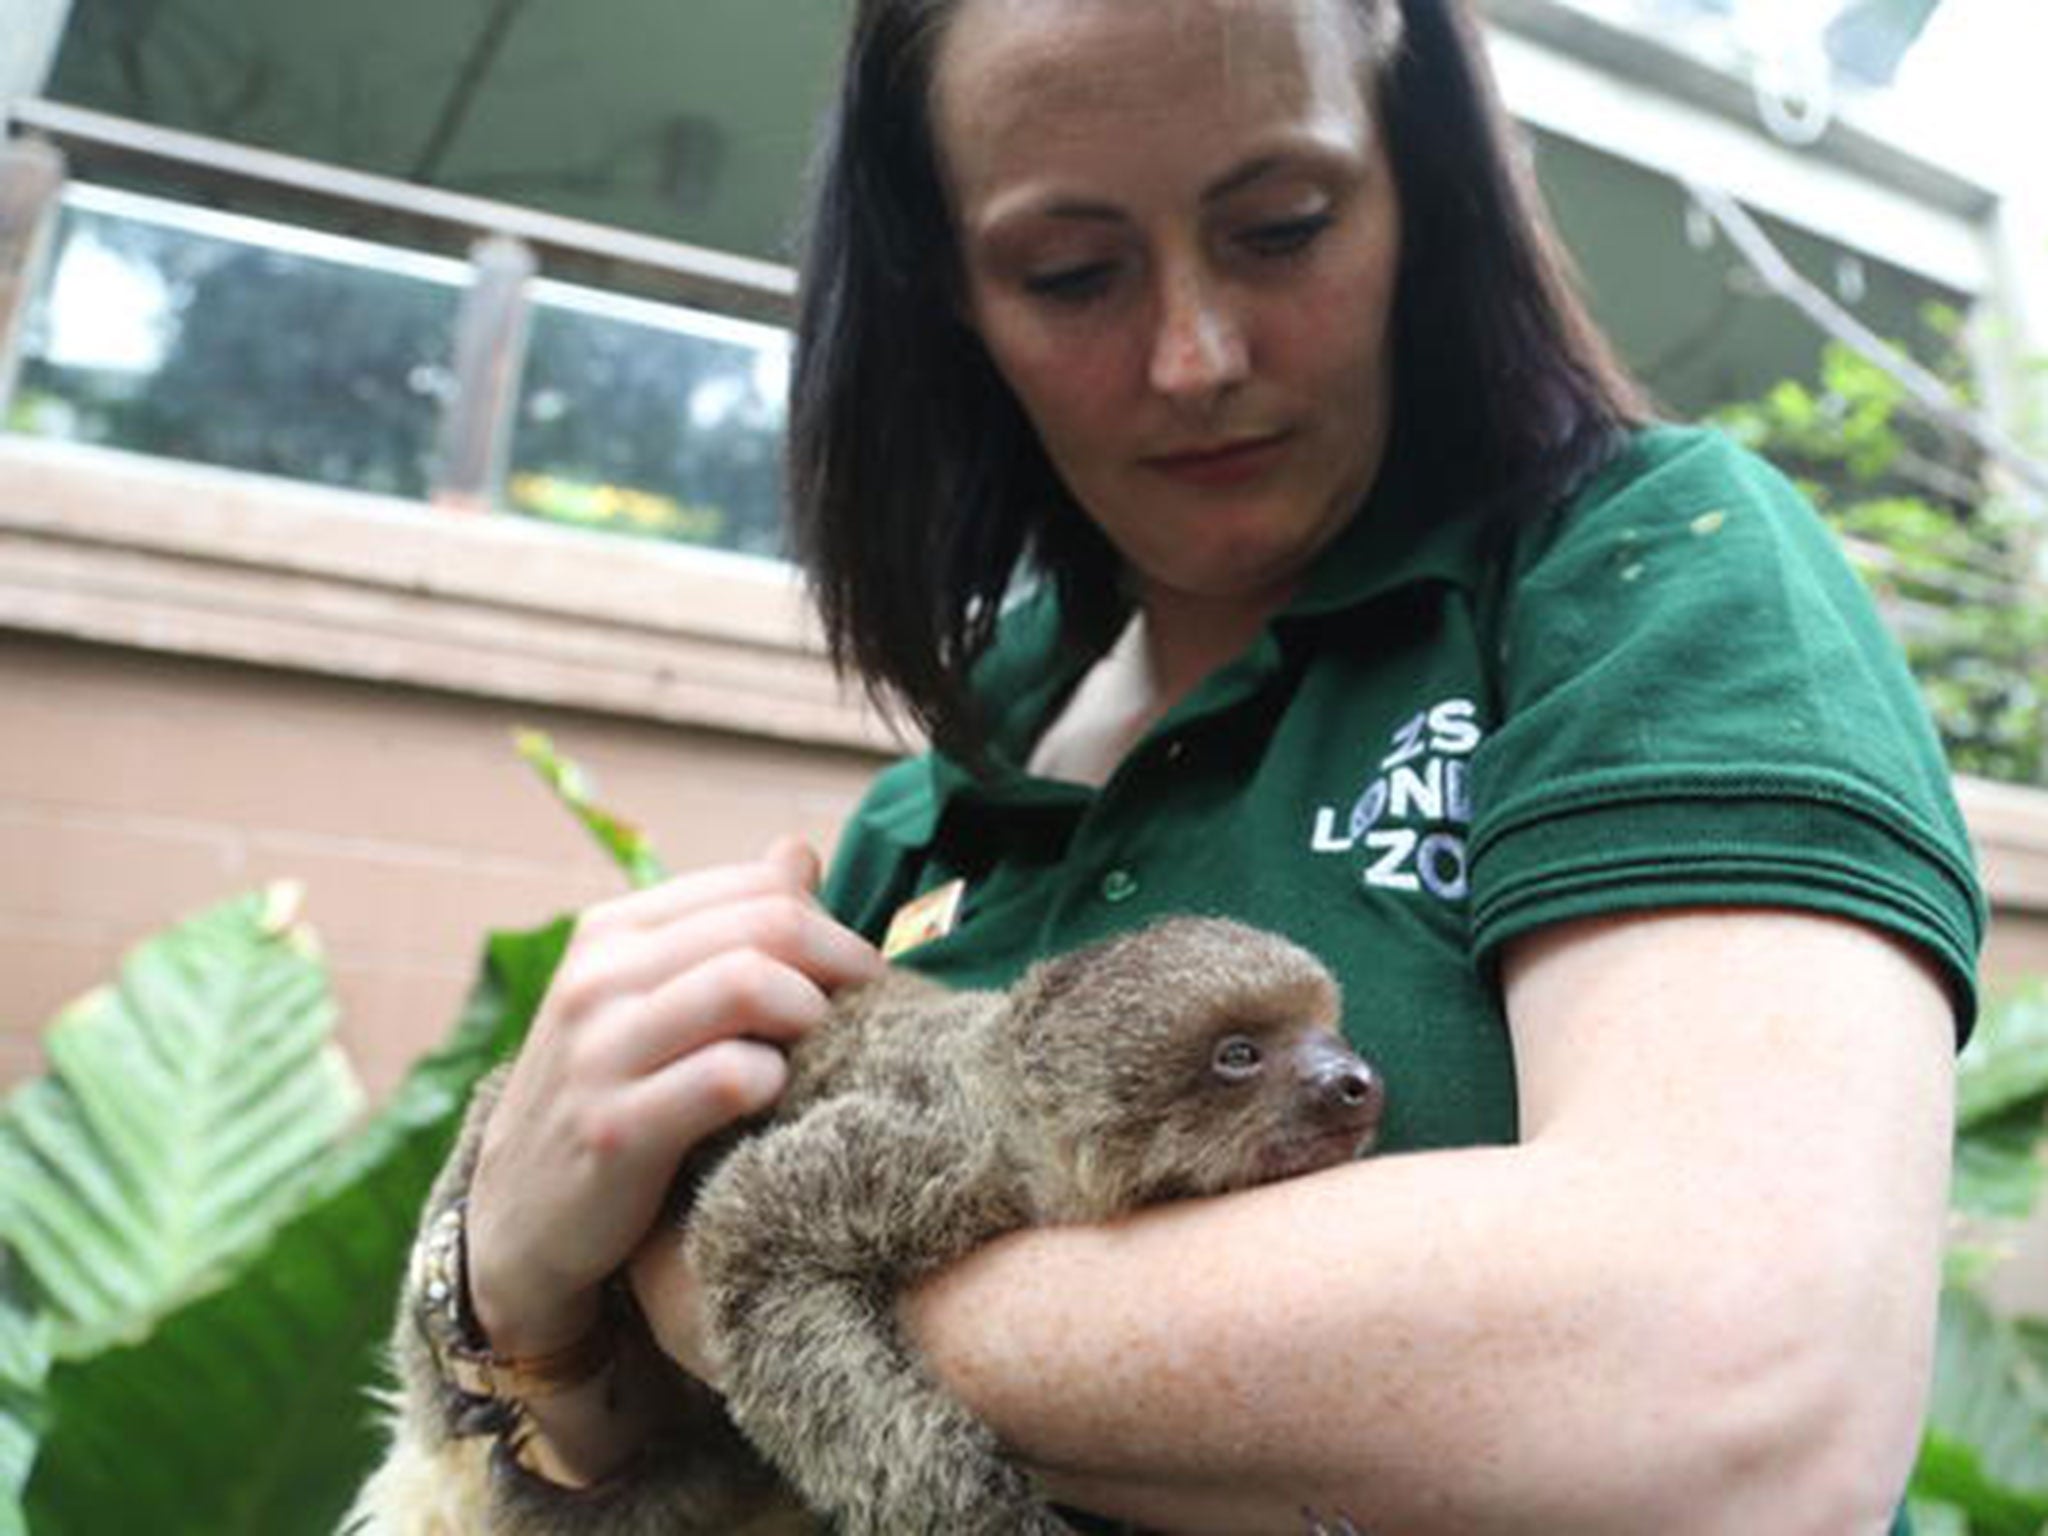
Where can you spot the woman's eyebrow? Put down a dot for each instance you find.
(1243, 176)
(1080, 208)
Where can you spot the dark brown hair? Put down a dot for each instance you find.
(918, 487)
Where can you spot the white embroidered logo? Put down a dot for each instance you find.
(1412, 817)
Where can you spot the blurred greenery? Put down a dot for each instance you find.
(199, 1252)
(1951, 556)
(243, 1405)
(1983, 1467)
(625, 844)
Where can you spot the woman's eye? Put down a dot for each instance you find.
(1236, 1058)
(1284, 237)
(1071, 285)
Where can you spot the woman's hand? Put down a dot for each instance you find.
(663, 1024)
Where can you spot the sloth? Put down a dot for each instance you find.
(1192, 1057)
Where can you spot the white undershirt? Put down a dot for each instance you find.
(1117, 701)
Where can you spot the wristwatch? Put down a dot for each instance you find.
(438, 1283)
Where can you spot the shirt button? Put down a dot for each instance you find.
(1119, 885)
(1176, 749)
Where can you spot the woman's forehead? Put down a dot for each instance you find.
(1020, 85)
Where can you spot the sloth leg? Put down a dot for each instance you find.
(803, 1239)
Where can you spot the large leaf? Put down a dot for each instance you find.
(249, 1412)
(186, 1110)
(1986, 1449)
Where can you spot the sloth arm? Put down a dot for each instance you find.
(1697, 1298)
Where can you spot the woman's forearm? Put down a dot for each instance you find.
(1470, 1342)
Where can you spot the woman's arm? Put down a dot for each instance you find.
(1698, 1298)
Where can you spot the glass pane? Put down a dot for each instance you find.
(651, 419)
(234, 341)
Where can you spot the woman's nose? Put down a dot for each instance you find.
(1199, 349)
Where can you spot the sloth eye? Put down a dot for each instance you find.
(1236, 1058)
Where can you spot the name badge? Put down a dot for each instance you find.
(923, 918)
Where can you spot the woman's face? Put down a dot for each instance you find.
(1179, 233)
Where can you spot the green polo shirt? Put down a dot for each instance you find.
(1669, 691)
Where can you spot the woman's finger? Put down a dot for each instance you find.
(682, 895)
(796, 859)
(781, 925)
(657, 1119)
(736, 994)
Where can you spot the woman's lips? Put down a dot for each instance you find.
(1225, 464)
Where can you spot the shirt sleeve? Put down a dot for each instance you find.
(1700, 706)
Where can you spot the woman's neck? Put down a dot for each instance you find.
(1187, 638)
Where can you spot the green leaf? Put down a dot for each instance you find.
(2031, 1335)
(1793, 406)
(1932, 1518)
(249, 1412)
(1998, 1168)
(186, 1110)
(1950, 1473)
(24, 1362)
(1986, 1448)
(628, 846)
(2002, 1110)
(2006, 1062)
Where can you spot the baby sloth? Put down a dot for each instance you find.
(1188, 1058)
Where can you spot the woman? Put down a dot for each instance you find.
(1372, 614)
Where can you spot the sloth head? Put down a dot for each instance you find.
(1188, 1058)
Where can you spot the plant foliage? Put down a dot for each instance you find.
(197, 1269)
(1983, 1466)
(626, 845)
(1949, 557)
(257, 1400)
(183, 1357)
(24, 1362)
(1985, 1456)
(186, 1112)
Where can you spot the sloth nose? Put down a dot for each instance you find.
(1350, 1091)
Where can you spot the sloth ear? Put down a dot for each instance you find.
(1042, 992)
(1095, 975)
(1057, 1009)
